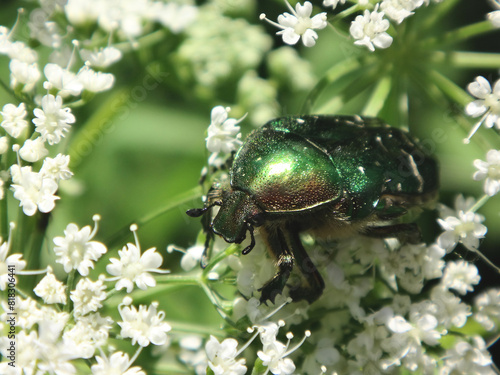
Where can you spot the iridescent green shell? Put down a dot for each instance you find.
(295, 164)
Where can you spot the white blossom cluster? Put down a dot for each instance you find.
(369, 29)
(47, 342)
(361, 337)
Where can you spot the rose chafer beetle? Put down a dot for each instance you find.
(333, 176)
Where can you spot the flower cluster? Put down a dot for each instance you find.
(47, 342)
(368, 29)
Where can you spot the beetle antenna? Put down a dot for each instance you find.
(249, 248)
(197, 212)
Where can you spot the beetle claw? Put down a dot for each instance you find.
(269, 292)
(249, 248)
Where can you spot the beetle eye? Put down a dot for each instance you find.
(256, 220)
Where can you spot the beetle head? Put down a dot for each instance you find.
(237, 214)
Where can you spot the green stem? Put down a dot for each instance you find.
(440, 11)
(178, 200)
(70, 284)
(487, 261)
(378, 97)
(366, 78)
(345, 13)
(210, 295)
(97, 126)
(436, 89)
(38, 236)
(196, 328)
(8, 90)
(480, 203)
(145, 41)
(463, 59)
(461, 34)
(4, 219)
(231, 249)
(449, 88)
(178, 279)
(334, 73)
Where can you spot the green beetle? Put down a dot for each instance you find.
(333, 176)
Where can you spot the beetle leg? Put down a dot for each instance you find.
(284, 260)
(249, 248)
(315, 284)
(405, 233)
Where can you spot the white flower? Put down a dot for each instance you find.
(4, 147)
(487, 306)
(76, 250)
(88, 296)
(132, 267)
(144, 326)
(23, 73)
(56, 168)
(299, 24)
(494, 17)
(26, 353)
(365, 346)
(80, 12)
(420, 327)
(487, 104)
(33, 150)
(176, 17)
(14, 119)
(433, 262)
(102, 58)
(221, 357)
(405, 344)
(27, 312)
(461, 226)
(9, 263)
(63, 80)
(54, 355)
(450, 310)
(460, 276)
(52, 120)
(21, 52)
(192, 257)
(97, 326)
(333, 3)
(489, 170)
(79, 337)
(51, 290)
(370, 30)
(5, 42)
(468, 358)
(223, 133)
(33, 190)
(273, 355)
(95, 81)
(117, 363)
(398, 10)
